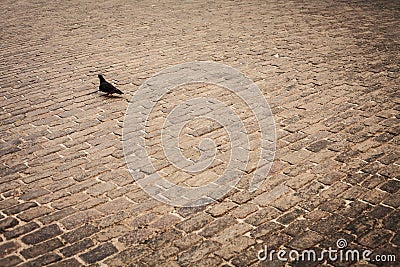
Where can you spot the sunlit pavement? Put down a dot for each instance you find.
(328, 69)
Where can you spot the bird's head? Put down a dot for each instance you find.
(101, 77)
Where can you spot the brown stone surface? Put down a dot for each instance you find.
(328, 69)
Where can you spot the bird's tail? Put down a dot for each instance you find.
(91, 93)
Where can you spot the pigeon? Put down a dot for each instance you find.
(108, 87)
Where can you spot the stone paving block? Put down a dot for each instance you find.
(142, 221)
(392, 221)
(244, 210)
(45, 199)
(217, 226)
(19, 208)
(391, 186)
(333, 92)
(61, 184)
(33, 213)
(125, 257)
(276, 240)
(165, 238)
(334, 190)
(237, 245)
(165, 222)
(210, 260)
(270, 196)
(374, 196)
(194, 223)
(297, 227)
(300, 180)
(232, 232)
(72, 262)
(70, 200)
(393, 200)
(375, 238)
(42, 248)
(43, 260)
(361, 225)
(198, 252)
(263, 215)
(111, 232)
(318, 146)
(79, 233)
(34, 194)
(241, 197)
(290, 216)
(10, 261)
(8, 248)
(80, 218)
(42, 234)
(247, 258)
(77, 247)
(380, 211)
(99, 253)
(8, 203)
(331, 177)
(307, 240)
(221, 208)
(355, 209)
(120, 191)
(8, 222)
(91, 203)
(187, 241)
(353, 193)
(115, 206)
(396, 239)
(135, 237)
(57, 215)
(20, 230)
(286, 202)
(78, 187)
(329, 225)
(333, 205)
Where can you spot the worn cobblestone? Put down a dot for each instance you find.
(20, 230)
(328, 69)
(99, 253)
(41, 234)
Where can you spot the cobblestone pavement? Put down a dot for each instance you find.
(329, 70)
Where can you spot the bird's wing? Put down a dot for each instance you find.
(107, 86)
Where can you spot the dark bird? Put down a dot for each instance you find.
(107, 87)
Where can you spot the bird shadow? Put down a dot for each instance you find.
(111, 96)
